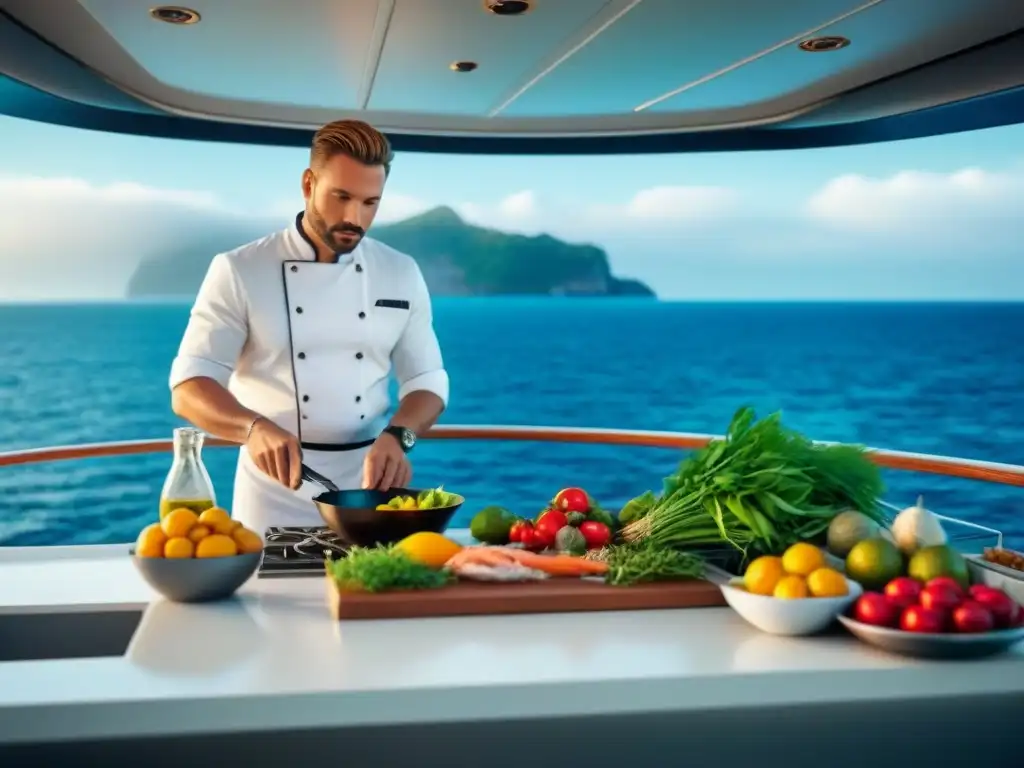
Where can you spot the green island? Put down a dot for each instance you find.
(457, 259)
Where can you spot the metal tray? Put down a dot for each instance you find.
(935, 646)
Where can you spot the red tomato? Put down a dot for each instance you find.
(515, 533)
(949, 582)
(941, 598)
(876, 609)
(596, 534)
(572, 500)
(903, 591)
(552, 521)
(999, 604)
(917, 618)
(528, 537)
(543, 538)
(972, 617)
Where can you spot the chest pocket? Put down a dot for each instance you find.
(390, 318)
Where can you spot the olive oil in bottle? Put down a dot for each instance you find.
(188, 483)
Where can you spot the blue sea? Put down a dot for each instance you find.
(929, 378)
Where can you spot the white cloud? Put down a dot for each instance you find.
(396, 206)
(681, 203)
(915, 202)
(65, 238)
(658, 207)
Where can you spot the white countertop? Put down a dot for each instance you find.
(273, 658)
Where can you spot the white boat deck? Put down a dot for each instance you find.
(273, 659)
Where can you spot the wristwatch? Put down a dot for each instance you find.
(406, 437)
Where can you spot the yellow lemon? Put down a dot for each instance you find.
(802, 559)
(198, 533)
(151, 541)
(178, 522)
(763, 574)
(217, 545)
(825, 582)
(217, 520)
(791, 588)
(248, 541)
(178, 547)
(430, 549)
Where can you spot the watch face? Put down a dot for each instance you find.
(408, 438)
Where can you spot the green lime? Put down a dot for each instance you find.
(873, 563)
(848, 529)
(942, 560)
(491, 525)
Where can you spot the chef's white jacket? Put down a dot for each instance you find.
(311, 346)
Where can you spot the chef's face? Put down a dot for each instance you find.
(342, 196)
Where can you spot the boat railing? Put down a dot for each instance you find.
(959, 530)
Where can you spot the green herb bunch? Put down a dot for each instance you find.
(763, 485)
(381, 568)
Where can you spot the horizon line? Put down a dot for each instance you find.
(179, 300)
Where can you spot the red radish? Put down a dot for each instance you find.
(972, 617)
(999, 604)
(917, 618)
(903, 591)
(940, 598)
(876, 609)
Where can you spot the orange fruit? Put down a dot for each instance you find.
(802, 559)
(217, 545)
(178, 522)
(826, 582)
(178, 547)
(247, 541)
(218, 520)
(790, 587)
(151, 541)
(763, 574)
(199, 532)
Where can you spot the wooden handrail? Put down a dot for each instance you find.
(989, 472)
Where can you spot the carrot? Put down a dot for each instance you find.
(559, 565)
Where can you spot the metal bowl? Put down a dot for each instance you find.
(354, 517)
(197, 580)
(935, 646)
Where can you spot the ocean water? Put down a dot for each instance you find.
(930, 378)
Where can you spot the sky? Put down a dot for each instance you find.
(937, 218)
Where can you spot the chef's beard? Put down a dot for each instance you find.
(331, 236)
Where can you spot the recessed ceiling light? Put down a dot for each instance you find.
(821, 44)
(462, 66)
(174, 14)
(507, 7)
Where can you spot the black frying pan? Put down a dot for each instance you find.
(354, 517)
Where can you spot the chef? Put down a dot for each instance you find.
(293, 337)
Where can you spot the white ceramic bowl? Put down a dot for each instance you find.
(777, 616)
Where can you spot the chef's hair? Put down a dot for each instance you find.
(352, 138)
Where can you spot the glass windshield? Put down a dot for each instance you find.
(870, 293)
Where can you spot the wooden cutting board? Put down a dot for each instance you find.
(491, 599)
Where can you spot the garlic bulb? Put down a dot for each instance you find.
(915, 527)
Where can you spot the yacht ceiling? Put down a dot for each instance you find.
(565, 68)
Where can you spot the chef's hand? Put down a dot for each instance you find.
(276, 452)
(386, 466)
